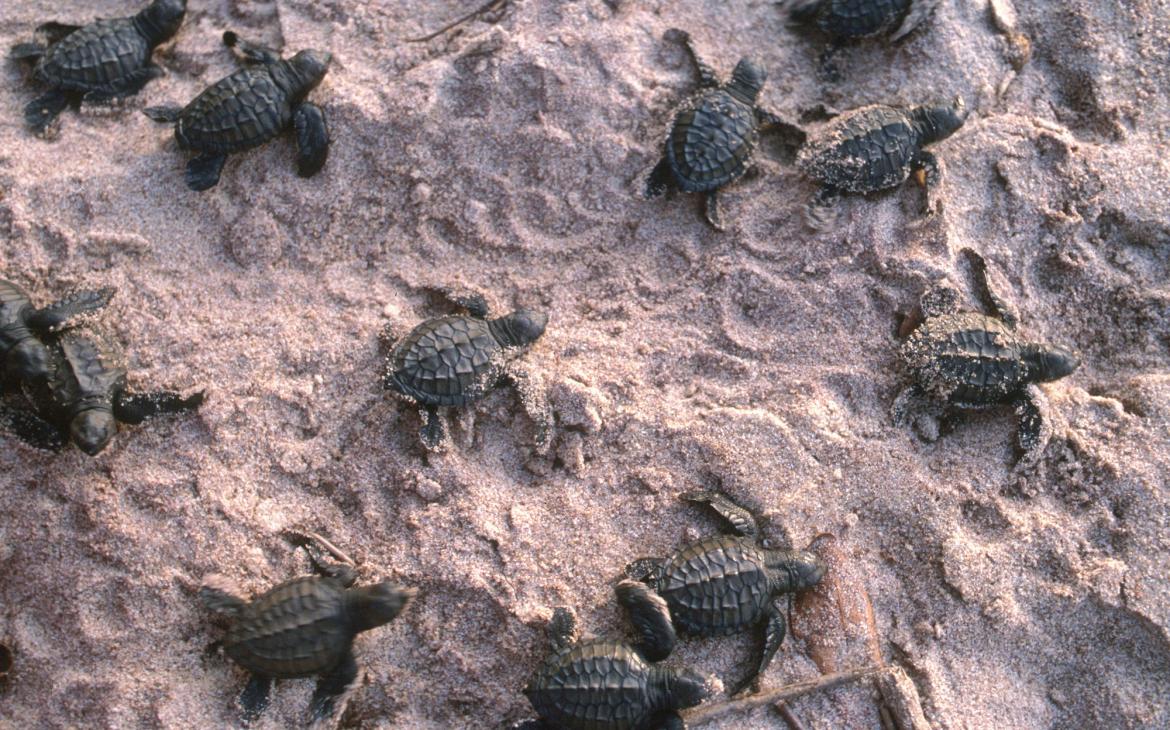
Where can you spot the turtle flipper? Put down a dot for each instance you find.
(41, 112)
(995, 303)
(32, 429)
(562, 628)
(342, 571)
(804, 11)
(670, 720)
(644, 569)
(650, 616)
(29, 52)
(658, 180)
(530, 725)
(714, 211)
(332, 688)
(249, 52)
(203, 171)
(56, 316)
(54, 32)
(821, 213)
(774, 632)
(134, 408)
(254, 699)
(432, 432)
(1035, 430)
(220, 594)
(312, 139)
(742, 522)
(127, 87)
(707, 76)
(169, 114)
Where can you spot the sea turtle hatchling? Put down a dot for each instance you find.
(875, 148)
(99, 64)
(453, 361)
(714, 134)
(725, 584)
(601, 684)
(966, 360)
(85, 396)
(250, 107)
(844, 21)
(21, 353)
(304, 627)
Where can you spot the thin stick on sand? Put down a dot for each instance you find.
(485, 8)
(708, 713)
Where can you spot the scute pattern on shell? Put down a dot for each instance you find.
(296, 629)
(716, 586)
(96, 367)
(96, 57)
(594, 685)
(448, 361)
(968, 357)
(863, 151)
(238, 112)
(711, 141)
(861, 18)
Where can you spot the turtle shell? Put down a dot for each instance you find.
(447, 361)
(862, 151)
(14, 304)
(297, 629)
(595, 685)
(861, 18)
(97, 57)
(91, 369)
(712, 141)
(238, 112)
(715, 586)
(968, 358)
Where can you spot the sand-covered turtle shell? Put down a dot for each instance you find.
(90, 371)
(967, 357)
(862, 151)
(595, 685)
(711, 141)
(238, 112)
(447, 361)
(96, 57)
(718, 585)
(297, 629)
(860, 18)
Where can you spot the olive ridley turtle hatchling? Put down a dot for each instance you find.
(601, 684)
(453, 361)
(844, 21)
(715, 133)
(99, 64)
(250, 107)
(725, 584)
(85, 396)
(21, 353)
(967, 360)
(303, 627)
(875, 148)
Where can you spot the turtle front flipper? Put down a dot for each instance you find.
(249, 52)
(707, 76)
(714, 211)
(332, 688)
(562, 628)
(658, 180)
(670, 721)
(741, 521)
(41, 112)
(32, 429)
(432, 432)
(54, 32)
(253, 700)
(774, 632)
(1035, 429)
(821, 213)
(531, 725)
(534, 398)
(990, 298)
(27, 52)
(343, 572)
(312, 139)
(169, 114)
(203, 171)
(134, 408)
(220, 594)
(928, 173)
(650, 616)
(56, 316)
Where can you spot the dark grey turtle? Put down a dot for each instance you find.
(844, 21)
(875, 148)
(98, 64)
(725, 584)
(86, 396)
(250, 107)
(304, 627)
(714, 134)
(967, 360)
(611, 685)
(451, 362)
(21, 353)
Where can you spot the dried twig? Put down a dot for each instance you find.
(485, 8)
(708, 713)
(793, 721)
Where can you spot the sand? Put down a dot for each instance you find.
(761, 361)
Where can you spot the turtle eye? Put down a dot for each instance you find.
(767, 543)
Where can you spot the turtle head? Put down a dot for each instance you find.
(520, 328)
(376, 605)
(29, 359)
(687, 688)
(1052, 362)
(92, 430)
(747, 80)
(937, 122)
(310, 67)
(161, 19)
(798, 569)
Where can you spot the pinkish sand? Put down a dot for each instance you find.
(760, 361)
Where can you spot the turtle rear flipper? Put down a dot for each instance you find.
(56, 316)
(29, 52)
(332, 687)
(203, 171)
(41, 112)
(804, 11)
(220, 594)
(134, 408)
(249, 52)
(169, 114)
(54, 32)
(312, 139)
(128, 86)
(254, 699)
(658, 180)
(433, 432)
(651, 619)
(32, 429)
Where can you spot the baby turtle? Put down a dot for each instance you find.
(21, 353)
(728, 583)
(874, 148)
(99, 64)
(611, 685)
(714, 135)
(967, 360)
(86, 396)
(844, 21)
(250, 107)
(450, 362)
(303, 627)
